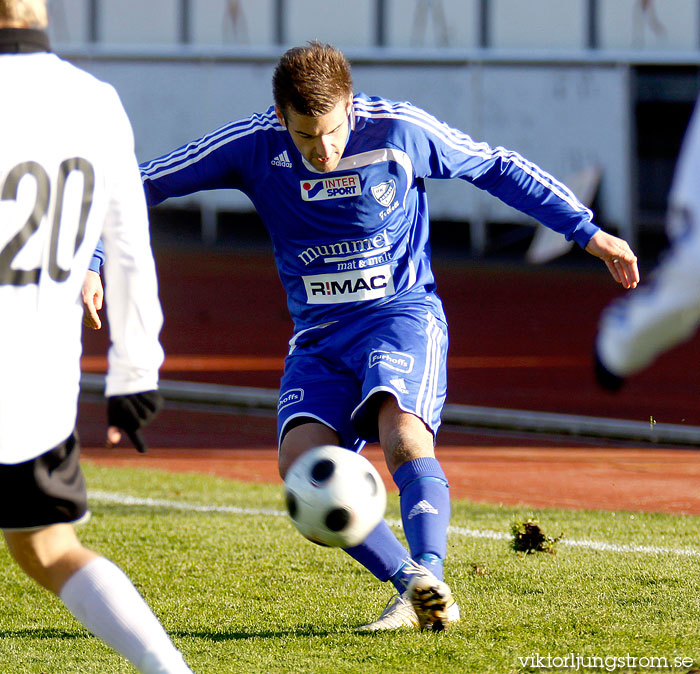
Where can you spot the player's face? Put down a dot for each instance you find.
(321, 140)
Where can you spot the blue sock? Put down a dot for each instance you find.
(381, 553)
(425, 511)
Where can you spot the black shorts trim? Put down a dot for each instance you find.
(49, 489)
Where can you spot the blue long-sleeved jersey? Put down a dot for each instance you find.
(357, 237)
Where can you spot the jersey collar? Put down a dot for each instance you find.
(23, 41)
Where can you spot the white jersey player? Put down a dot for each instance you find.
(665, 311)
(68, 176)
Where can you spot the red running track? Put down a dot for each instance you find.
(521, 338)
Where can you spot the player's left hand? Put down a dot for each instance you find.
(618, 257)
(129, 413)
(93, 296)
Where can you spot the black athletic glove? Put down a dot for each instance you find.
(606, 379)
(132, 412)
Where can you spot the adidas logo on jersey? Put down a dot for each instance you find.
(282, 160)
(422, 508)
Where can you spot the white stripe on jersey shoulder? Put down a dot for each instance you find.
(460, 141)
(198, 149)
(410, 113)
(222, 132)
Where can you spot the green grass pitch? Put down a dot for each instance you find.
(240, 591)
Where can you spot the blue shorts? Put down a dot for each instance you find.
(332, 374)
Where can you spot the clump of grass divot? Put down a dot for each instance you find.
(529, 537)
(479, 569)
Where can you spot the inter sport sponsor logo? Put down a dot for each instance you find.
(394, 360)
(352, 286)
(282, 160)
(293, 395)
(331, 188)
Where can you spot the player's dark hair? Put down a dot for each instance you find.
(311, 79)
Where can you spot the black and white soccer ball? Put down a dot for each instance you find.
(335, 497)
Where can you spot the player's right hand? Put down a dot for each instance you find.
(130, 413)
(93, 296)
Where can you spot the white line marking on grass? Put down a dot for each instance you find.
(645, 549)
(590, 545)
(123, 499)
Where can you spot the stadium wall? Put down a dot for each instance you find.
(565, 117)
(583, 84)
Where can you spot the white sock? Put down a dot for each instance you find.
(104, 600)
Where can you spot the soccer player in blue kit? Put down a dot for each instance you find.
(339, 181)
